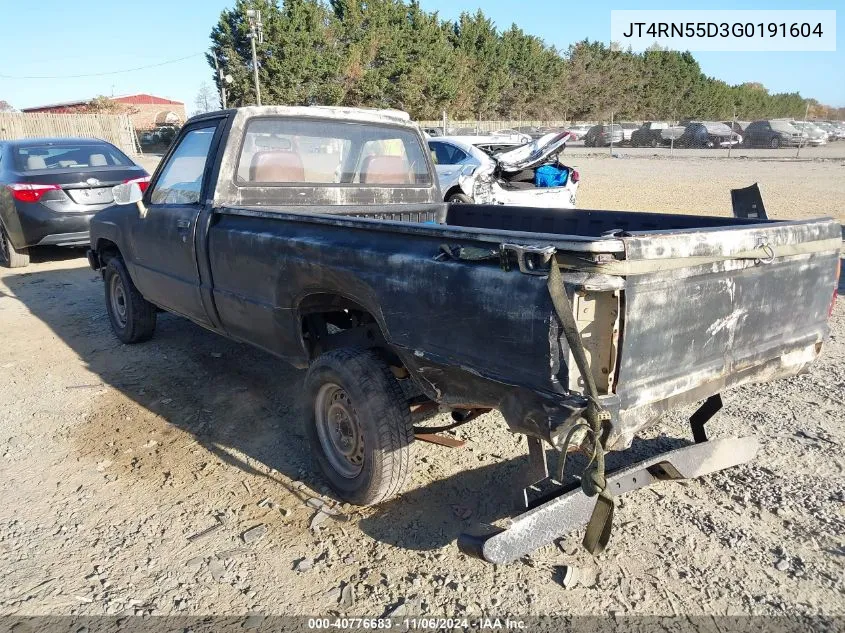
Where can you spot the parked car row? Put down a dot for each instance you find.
(771, 133)
(161, 135)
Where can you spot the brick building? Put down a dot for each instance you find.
(146, 111)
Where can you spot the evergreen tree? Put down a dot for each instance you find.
(393, 54)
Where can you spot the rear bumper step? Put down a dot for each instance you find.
(571, 510)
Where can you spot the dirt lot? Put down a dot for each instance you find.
(113, 455)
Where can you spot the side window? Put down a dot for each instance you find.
(441, 153)
(180, 181)
(458, 155)
(432, 149)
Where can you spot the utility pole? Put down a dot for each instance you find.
(255, 32)
(222, 81)
(731, 135)
(803, 130)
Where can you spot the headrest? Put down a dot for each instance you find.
(385, 170)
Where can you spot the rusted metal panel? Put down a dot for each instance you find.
(597, 315)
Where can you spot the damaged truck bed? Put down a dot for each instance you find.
(318, 235)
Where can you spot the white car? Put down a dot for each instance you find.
(579, 131)
(513, 136)
(486, 171)
(813, 134)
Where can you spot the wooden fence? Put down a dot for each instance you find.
(114, 128)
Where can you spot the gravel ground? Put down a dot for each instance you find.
(134, 477)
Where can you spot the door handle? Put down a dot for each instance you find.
(183, 224)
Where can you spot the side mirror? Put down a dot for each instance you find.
(127, 193)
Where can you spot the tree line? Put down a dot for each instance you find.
(392, 54)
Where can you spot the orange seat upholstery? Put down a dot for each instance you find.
(276, 166)
(385, 170)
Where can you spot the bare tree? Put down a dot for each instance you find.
(103, 105)
(207, 99)
(5, 106)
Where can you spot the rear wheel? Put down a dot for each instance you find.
(459, 198)
(653, 142)
(10, 256)
(133, 318)
(775, 142)
(359, 425)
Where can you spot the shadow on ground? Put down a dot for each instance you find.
(236, 400)
(42, 254)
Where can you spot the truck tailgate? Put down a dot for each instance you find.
(709, 308)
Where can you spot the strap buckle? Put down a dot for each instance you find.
(532, 260)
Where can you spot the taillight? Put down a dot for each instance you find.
(835, 290)
(30, 192)
(143, 182)
(575, 176)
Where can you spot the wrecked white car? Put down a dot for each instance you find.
(485, 171)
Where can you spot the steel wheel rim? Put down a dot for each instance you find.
(117, 296)
(340, 434)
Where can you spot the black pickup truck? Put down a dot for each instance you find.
(320, 235)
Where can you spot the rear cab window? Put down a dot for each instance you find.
(297, 151)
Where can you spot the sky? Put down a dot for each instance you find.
(63, 40)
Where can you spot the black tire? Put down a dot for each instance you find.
(133, 318)
(654, 142)
(775, 142)
(359, 425)
(10, 256)
(459, 198)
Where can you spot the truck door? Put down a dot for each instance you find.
(164, 265)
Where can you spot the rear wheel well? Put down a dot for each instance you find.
(455, 189)
(325, 316)
(331, 322)
(107, 250)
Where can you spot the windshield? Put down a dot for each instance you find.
(330, 152)
(71, 156)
